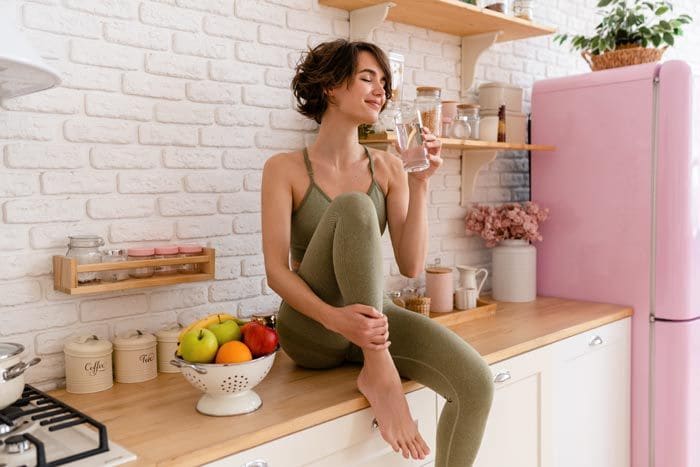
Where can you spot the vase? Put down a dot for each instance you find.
(514, 271)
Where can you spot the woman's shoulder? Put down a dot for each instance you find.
(284, 162)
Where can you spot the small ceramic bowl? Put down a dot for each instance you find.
(227, 387)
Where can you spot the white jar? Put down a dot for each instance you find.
(167, 345)
(135, 357)
(514, 271)
(88, 364)
(84, 248)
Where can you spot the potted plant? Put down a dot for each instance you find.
(631, 32)
(509, 229)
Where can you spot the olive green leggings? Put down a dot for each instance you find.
(343, 265)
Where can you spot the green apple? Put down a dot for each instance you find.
(199, 346)
(226, 331)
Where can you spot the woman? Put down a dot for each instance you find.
(329, 205)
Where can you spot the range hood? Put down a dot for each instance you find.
(21, 69)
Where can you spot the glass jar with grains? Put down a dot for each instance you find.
(430, 107)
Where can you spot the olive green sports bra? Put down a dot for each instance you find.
(306, 217)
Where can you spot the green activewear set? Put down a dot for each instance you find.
(338, 243)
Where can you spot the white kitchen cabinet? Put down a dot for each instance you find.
(518, 426)
(591, 403)
(566, 404)
(345, 441)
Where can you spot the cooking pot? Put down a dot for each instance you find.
(12, 372)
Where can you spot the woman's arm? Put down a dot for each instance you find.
(407, 208)
(360, 324)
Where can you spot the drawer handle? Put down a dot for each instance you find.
(502, 376)
(597, 340)
(256, 463)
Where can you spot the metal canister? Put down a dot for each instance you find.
(135, 357)
(88, 364)
(167, 345)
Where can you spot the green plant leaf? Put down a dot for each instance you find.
(668, 38)
(661, 10)
(603, 3)
(656, 40)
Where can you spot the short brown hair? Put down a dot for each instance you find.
(328, 65)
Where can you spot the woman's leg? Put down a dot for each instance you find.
(343, 265)
(433, 355)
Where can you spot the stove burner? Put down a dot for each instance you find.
(17, 444)
(20, 422)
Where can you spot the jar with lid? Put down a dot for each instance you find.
(135, 357)
(88, 364)
(430, 107)
(184, 252)
(523, 9)
(466, 126)
(166, 347)
(439, 286)
(166, 252)
(138, 254)
(84, 248)
(114, 256)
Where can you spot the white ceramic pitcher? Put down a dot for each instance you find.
(467, 277)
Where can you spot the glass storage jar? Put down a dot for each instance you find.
(84, 248)
(430, 107)
(189, 250)
(466, 126)
(138, 254)
(522, 9)
(114, 256)
(166, 252)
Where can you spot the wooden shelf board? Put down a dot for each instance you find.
(128, 284)
(451, 17)
(468, 144)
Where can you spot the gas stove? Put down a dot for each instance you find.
(38, 430)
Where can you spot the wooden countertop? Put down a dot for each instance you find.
(157, 419)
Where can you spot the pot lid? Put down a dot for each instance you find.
(8, 350)
(134, 339)
(87, 345)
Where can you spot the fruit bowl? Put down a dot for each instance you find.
(227, 387)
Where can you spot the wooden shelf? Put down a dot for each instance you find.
(452, 17)
(465, 144)
(480, 154)
(66, 271)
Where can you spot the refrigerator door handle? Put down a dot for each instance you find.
(597, 340)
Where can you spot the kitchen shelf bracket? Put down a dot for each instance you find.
(472, 48)
(471, 166)
(364, 20)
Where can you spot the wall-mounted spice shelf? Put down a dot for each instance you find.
(65, 273)
(478, 27)
(479, 154)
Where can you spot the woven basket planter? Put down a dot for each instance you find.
(625, 55)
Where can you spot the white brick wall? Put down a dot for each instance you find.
(159, 132)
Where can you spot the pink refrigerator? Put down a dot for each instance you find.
(623, 188)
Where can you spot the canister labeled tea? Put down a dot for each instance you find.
(135, 357)
(88, 364)
(167, 345)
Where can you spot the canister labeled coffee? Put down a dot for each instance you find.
(88, 364)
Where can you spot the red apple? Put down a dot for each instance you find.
(260, 339)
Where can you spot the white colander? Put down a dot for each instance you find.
(227, 387)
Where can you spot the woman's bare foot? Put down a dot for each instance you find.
(380, 383)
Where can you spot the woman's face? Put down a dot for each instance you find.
(362, 98)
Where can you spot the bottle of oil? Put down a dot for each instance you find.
(501, 124)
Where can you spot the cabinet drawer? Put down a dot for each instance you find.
(598, 338)
(345, 441)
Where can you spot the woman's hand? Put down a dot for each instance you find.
(434, 146)
(362, 325)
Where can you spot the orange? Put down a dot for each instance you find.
(233, 352)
